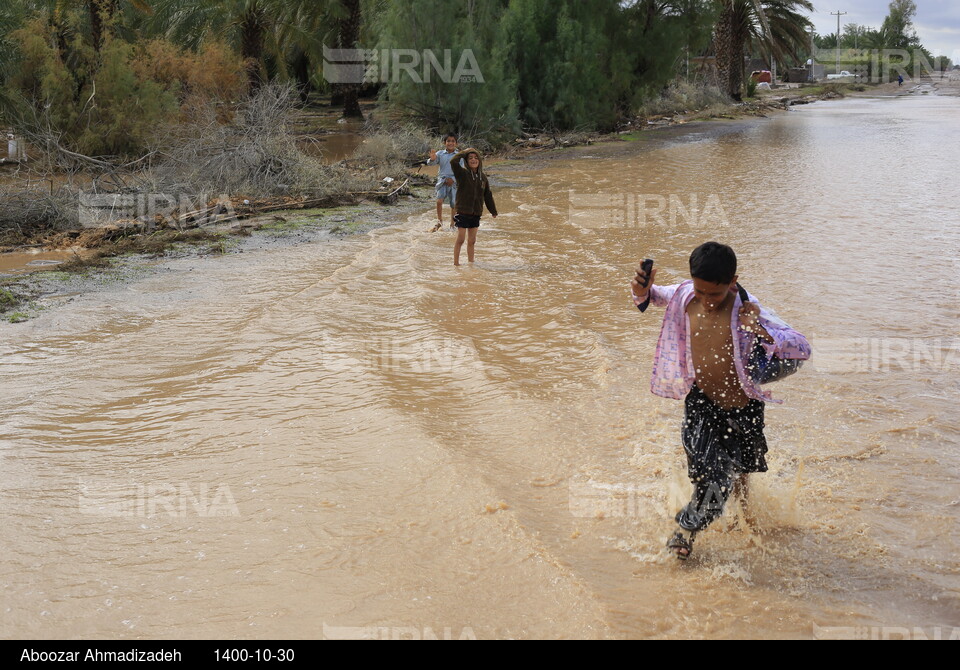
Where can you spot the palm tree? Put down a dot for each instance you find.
(259, 29)
(307, 28)
(775, 27)
(349, 34)
(288, 33)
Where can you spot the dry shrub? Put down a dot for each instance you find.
(214, 74)
(26, 211)
(256, 155)
(161, 61)
(390, 149)
(834, 88)
(218, 73)
(681, 96)
(389, 145)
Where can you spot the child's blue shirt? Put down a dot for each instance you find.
(443, 160)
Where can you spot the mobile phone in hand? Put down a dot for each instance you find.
(646, 267)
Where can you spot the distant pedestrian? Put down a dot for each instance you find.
(446, 183)
(900, 80)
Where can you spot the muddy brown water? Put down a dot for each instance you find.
(33, 260)
(333, 147)
(355, 439)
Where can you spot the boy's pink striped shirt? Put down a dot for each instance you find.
(673, 372)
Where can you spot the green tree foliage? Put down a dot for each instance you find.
(585, 63)
(657, 35)
(559, 50)
(898, 25)
(123, 111)
(276, 38)
(463, 38)
(93, 102)
(102, 95)
(555, 64)
(901, 35)
(249, 25)
(852, 34)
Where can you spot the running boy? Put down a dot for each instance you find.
(722, 429)
(446, 183)
(473, 191)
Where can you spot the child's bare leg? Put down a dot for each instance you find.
(471, 241)
(440, 211)
(461, 234)
(453, 216)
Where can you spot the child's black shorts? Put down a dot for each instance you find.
(467, 221)
(720, 444)
(719, 439)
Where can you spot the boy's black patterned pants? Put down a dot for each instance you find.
(720, 445)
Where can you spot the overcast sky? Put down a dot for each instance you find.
(937, 21)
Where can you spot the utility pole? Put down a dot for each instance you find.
(838, 14)
(813, 56)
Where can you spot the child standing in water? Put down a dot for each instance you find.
(722, 430)
(473, 192)
(446, 183)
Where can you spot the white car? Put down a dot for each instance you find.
(844, 74)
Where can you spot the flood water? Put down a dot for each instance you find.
(355, 438)
(32, 260)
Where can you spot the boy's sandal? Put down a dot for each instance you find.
(680, 545)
